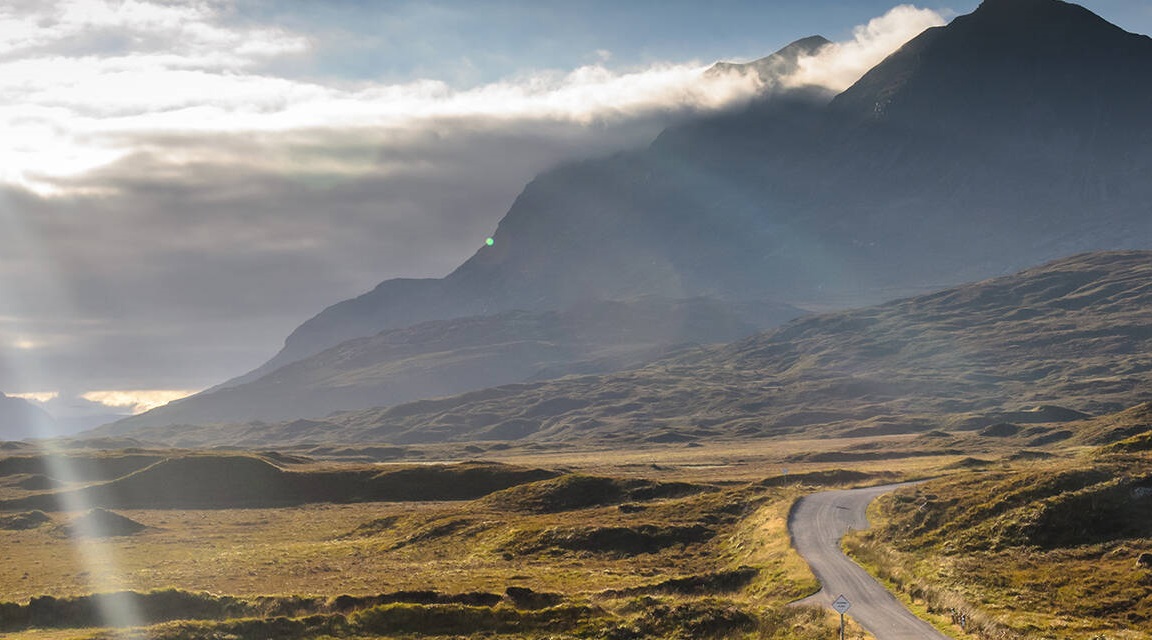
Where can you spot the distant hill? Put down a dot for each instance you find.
(1073, 337)
(442, 358)
(21, 419)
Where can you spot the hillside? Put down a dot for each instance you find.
(443, 358)
(1075, 335)
(1059, 544)
(571, 237)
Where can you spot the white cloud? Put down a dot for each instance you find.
(136, 400)
(148, 67)
(840, 64)
(40, 397)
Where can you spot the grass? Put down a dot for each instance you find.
(1044, 549)
(662, 541)
(612, 548)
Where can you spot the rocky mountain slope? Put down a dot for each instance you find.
(1073, 336)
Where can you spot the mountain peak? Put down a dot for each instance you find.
(1040, 58)
(778, 65)
(1038, 17)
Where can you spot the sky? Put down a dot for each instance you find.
(182, 183)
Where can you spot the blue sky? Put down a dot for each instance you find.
(475, 41)
(184, 182)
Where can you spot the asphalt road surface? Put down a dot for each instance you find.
(817, 524)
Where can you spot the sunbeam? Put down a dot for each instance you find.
(95, 555)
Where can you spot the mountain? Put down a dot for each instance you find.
(447, 357)
(570, 237)
(1051, 344)
(779, 66)
(1014, 135)
(21, 419)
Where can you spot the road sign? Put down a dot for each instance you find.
(841, 605)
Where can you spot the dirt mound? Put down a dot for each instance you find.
(99, 523)
(24, 521)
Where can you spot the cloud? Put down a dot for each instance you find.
(87, 83)
(839, 65)
(40, 397)
(136, 400)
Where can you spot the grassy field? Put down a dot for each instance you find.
(668, 541)
(664, 541)
(1047, 549)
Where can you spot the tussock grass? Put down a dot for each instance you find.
(1045, 549)
(639, 554)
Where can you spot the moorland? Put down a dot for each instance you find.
(671, 540)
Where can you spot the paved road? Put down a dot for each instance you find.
(818, 523)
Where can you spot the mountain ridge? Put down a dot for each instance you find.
(1073, 336)
(447, 357)
(1014, 135)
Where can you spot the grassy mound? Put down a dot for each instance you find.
(37, 482)
(99, 523)
(617, 540)
(221, 481)
(1117, 426)
(826, 477)
(576, 491)
(84, 467)
(970, 463)
(702, 584)
(24, 521)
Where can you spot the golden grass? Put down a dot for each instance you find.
(1058, 586)
(326, 550)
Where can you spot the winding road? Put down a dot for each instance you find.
(817, 524)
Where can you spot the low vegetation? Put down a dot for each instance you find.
(502, 550)
(1057, 548)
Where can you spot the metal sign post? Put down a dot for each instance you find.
(841, 605)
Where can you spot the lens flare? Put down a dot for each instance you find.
(95, 555)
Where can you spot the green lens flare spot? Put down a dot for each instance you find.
(489, 242)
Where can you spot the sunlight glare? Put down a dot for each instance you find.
(136, 400)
